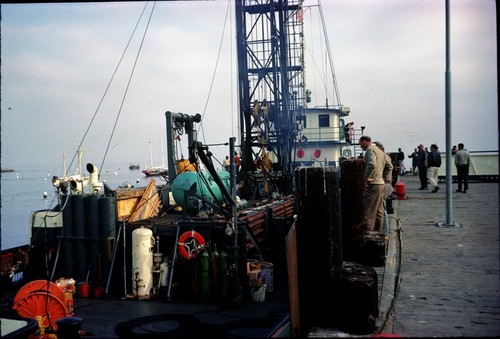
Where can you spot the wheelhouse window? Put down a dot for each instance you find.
(324, 120)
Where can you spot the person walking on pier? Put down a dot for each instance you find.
(462, 162)
(434, 162)
(422, 167)
(373, 195)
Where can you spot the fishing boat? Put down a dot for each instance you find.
(252, 251)
(154, 171)
(6, 170)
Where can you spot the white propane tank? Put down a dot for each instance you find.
(142, 262)
(164, 274)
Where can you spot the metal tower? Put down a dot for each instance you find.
(270, 85)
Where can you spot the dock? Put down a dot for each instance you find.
(448, 282)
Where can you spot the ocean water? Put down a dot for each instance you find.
(22, 192)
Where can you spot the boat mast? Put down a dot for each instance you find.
(162, 152)
(150, 155)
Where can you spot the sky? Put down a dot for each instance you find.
(389, 56)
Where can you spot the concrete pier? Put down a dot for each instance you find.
(446, 281)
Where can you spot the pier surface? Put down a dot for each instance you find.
(448, 281)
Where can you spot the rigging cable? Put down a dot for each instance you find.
(330, 59)
(215, 71)
(107, 88)
(130, 78)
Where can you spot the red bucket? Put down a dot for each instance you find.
(400, 190)
(83, 289)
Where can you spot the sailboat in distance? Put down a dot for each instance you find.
(151, 171)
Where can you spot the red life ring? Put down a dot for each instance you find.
(189, 244)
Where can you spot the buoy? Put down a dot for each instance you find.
(45, 195)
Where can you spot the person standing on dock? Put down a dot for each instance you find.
(414, 161)
(401, 160)
(422, 167)
(434, 162)
(462, 162)
(388, 189)
(373, 195)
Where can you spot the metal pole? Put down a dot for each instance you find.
(448, 222)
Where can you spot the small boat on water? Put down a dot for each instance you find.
(135, 166)
(155, 171)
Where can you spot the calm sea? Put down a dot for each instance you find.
(22, 192)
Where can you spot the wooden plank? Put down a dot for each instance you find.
(142, 210)
(127, 193)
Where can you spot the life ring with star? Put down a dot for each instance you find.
(189, 244)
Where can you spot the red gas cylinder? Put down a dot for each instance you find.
(400, 190)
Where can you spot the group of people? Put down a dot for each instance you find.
(237, 161)
(427, 163)
(378, 177)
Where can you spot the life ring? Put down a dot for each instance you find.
(346, 153)
(189, 244)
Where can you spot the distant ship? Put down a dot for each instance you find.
(7, 170)
(155, 171)
(134, 166)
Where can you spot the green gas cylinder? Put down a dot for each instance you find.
(223, 276)
(214, 274)
(205, 277)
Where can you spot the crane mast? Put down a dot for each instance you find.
(271, 88)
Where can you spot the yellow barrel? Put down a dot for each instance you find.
(184, 165)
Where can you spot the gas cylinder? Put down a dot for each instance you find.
(223, 276)
(142, 262)
(164, 274)
(214, 275)
(205, 278)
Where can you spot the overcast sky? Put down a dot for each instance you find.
(389, 57)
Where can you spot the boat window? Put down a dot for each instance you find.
(324, 120)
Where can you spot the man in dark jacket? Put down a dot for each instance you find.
(433, 163)
(422, 167)
(401, 160)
